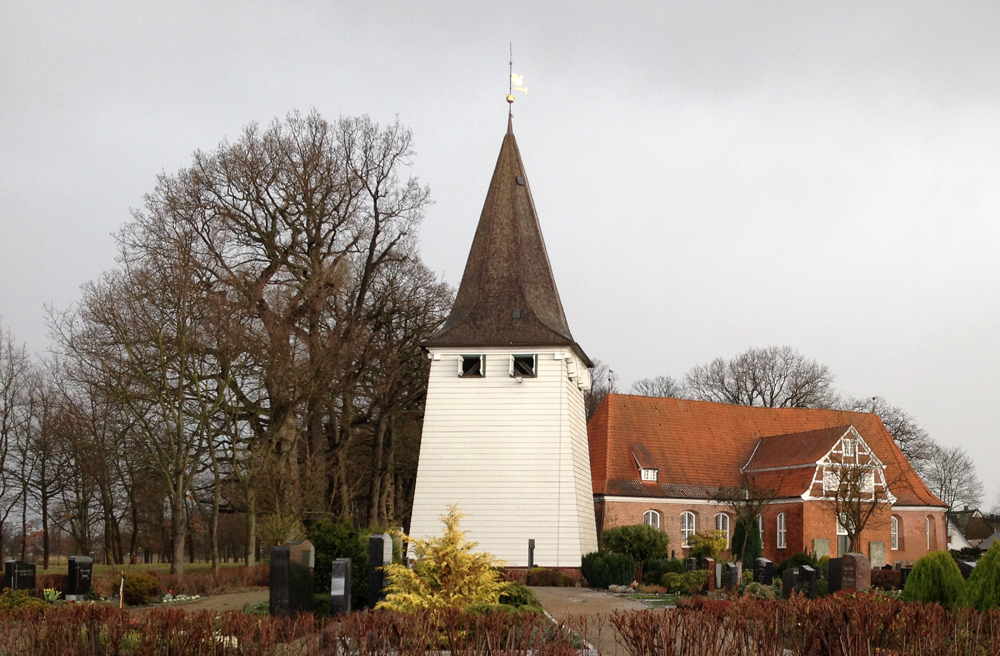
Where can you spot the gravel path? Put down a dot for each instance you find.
(587, 610)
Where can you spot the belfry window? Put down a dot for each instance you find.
(473, 366)
(523, 366)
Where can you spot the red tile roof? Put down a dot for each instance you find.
(699, 446)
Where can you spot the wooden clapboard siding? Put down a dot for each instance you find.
(513, 456)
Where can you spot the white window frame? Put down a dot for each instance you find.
(848, 448)
(868, 482)
(649, 474)
(894, 533)
(688, 517)
(534, 365)
(722, 524)
(760, 527)
(651, 518)
(482, 365)
(831, 480)
(782, 525)
(927, 531)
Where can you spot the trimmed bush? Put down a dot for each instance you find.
(935, 579)
(640, 541)
(602, 568)
(982, 590)
(796, 560)
(692, 583)
(655, 568)
(549, 578)
(333, 541)
(139, 589)
(762, 592)
(669, 580)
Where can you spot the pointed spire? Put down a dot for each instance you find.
(508, 295)
(510, 123)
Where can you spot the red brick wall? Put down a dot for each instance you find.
(913, 536)
(620, 513)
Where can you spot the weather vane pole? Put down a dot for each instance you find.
(516, 83)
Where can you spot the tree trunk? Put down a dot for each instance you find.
(178, 531)
(375, 490)
(251, 527)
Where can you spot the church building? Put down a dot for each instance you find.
(505, 434)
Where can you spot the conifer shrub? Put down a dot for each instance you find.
(982, 590)
(669, 581)
(640, 541)
(753, 549)
(139, 589)
(603, 568)
(332, 541)
(935, 579)
(655, 568)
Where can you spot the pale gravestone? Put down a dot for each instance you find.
(340, 587)
(876, 554)
(807, 580)
(379, 555)
(81, 570)
(763, 571)
(821, 547)
(18, 575)
(856, 572)
(834, 574)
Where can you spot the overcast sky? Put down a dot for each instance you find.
(709, 176)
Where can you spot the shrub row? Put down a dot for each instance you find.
(838, 625)
(603, 568)
(77, 630)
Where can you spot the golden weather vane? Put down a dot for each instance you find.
(516, 82)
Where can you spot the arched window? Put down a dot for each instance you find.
(722, 524)
(781, 531)
(652, 518)
(927, 531)
(687, 527)
(894, 532)
(760, 527)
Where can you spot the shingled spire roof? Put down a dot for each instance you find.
(508, 296)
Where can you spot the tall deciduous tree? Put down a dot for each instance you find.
(663, 386)
(951, 475)
(773, 377)
(913, 441)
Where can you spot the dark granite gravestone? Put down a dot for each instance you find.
(789, 582)
(731, 576)
(340, 587)
(965, 567)
(531, 553)
(379, 555)
(903, 573)
(81, 570)
(834, 574)
(292, 578)
(18, 575)
(763, 571)
(690, 564)
(709, 564)
(807, 580)
(856, 573)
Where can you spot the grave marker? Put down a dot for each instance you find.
(807, 580)
(834, 574)
(379, 555)
(731, 576)
(709, 564)
(81, 570)
(292, 578)
(789, 582)
(763, 571)
(876, 554)
(690, 564)
(340, 587)
(19, 575)
(856, 572)
(821, 547)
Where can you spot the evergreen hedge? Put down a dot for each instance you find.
(935, 579)
(654, 568)
(982, 590)
(603, 568)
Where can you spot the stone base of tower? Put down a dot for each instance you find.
(512, 456)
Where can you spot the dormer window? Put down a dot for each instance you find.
(649, 474)
(473, 366)
(523, 366)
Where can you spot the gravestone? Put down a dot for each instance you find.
(834, 574)
(903, 573)
(690, 564)
(856, 573)
(789, 582)
(807, 580)
(19, 575)
(821, 547)
(965, 567)
(292, 578)
(717, 573)
(81, 570)
(763, 571)
(379, 555)
(709, 564)
(876, 554)
(531, 553)
(340, 587)
(731, 576)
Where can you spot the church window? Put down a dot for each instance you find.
(651, 518)
(760, 527)
(782, 532)
(894, 532)
(687, 527)
(649, 474)
(848, 448)
(473, 366)
(722, 524)
(523, 366)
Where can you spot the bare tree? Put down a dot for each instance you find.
(15, 383)
(951, 475)
(662, 386)
(913, 441)
(747, 501)
(855, 487)
(773, 377)
(602, 383)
